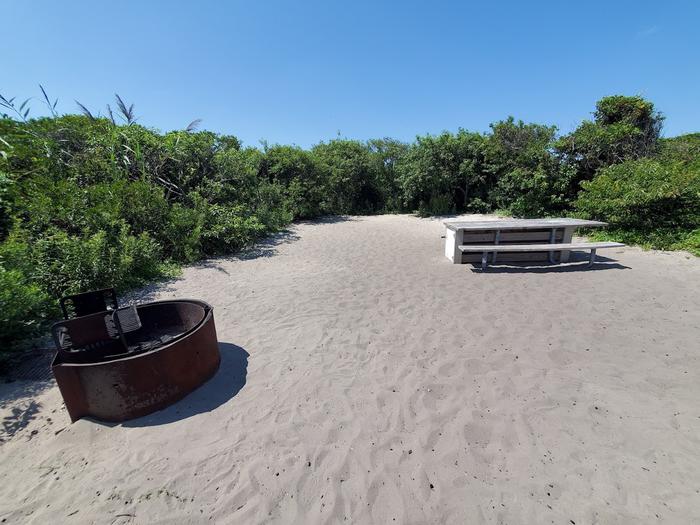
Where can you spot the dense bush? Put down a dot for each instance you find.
(653, 202)
(298, 173)
(442, 174)
(86, 202)
(528, 180)
(623, 128)
(685, 149)
(350, 178)
(24, 307)
(386, 154)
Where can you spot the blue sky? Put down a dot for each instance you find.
(305, 71)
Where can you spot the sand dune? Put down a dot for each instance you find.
(365, 379)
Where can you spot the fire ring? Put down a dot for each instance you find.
(120, 364)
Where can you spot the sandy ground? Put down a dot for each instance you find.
(365, 379)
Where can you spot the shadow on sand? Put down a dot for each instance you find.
(266, 247)
(578, 262)
(328, 219)
(226, 383)
(18, 398)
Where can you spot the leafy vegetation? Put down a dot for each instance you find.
(653, 202)
(88, 201)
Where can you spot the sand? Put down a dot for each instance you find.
(366, 379)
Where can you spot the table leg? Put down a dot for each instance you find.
(590, 263)
(496, 241)
(568, 235)
(459, 240)
(552, 238)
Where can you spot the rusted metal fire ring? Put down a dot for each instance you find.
(130, 386)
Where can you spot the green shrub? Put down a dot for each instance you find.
(437, 205)
(529, 181)
(538, 193)
(182, 232)
(66, 264)
(440, 174)
(271, 206)
(656, 203)
(143, 206)
(386, 154)
(350, 180)
(229, 228)
(644, 195)
(297, 172)
(477, 205)
(624, 128)
(303, 199)
(684, 149)
(24, 308)
(660, 239)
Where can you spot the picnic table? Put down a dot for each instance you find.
(516, 232)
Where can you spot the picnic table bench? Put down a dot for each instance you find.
(550, 248)
(517, 239)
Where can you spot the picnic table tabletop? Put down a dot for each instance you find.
(518, 224)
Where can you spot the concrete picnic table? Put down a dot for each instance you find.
(512, 231)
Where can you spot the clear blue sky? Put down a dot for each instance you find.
(304, 71)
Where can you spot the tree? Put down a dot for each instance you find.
(350, 176)
(296, 171)
(527, 179)
(623, 128)
(387, 154)
(443, 173)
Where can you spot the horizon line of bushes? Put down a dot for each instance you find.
(88, 202)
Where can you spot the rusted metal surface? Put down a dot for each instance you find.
(174, 352)
(89, 302)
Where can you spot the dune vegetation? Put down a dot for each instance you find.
(90, 201)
